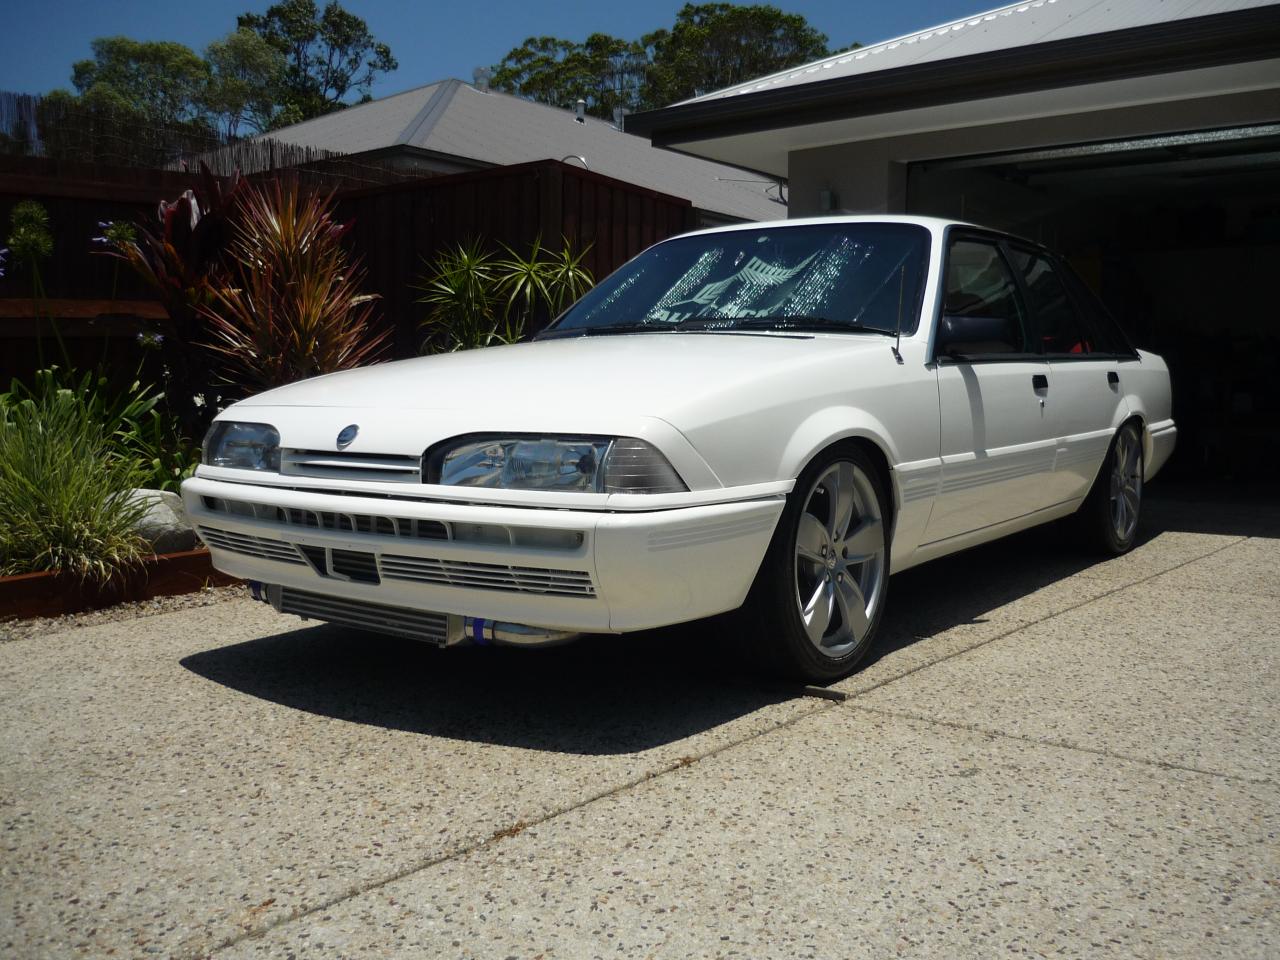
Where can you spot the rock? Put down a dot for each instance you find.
(165, 524)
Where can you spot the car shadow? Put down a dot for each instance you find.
(600, 695)
(962, 589)
(613, 695)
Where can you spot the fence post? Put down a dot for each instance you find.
(551, 203)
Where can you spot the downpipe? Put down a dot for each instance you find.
(494, 632)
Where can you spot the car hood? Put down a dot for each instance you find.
(721, 407)
(654, 375)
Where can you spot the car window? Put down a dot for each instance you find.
(1057, 323)
(1108, 337)
(980, 284)
(859, 275)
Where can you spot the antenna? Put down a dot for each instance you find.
(897, 333)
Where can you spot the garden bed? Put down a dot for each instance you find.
(161, 575)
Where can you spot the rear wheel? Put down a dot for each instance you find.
(820, 592)
(1108, 518)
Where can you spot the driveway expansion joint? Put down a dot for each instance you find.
(1064, 745)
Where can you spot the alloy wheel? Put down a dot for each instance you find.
(839, 562)
(1126, 484)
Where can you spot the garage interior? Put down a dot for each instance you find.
(1180, 235)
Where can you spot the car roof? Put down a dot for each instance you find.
(935, 225)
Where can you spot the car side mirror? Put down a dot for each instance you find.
(961, 334)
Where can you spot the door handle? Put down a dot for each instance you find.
(1039, 381)
(1113, 378)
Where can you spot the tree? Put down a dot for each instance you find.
(245, 82)
(718, 45)
(605, 71)
(162, 81)
(710, 46)
(328, 55)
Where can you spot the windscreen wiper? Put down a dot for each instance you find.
(556, 333)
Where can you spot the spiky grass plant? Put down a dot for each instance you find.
(476, 298)
(64, 491)
(291, 307)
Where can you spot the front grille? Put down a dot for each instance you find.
(488, 576)
(258, 547)
(422, 625)
(405, 528)
(331, 520)
(387, 468)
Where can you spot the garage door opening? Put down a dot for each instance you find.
(1180, 235)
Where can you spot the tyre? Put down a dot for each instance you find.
(1107, 521)
(813, 610)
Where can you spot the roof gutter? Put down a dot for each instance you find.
(1239, 36)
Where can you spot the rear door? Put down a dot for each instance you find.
(1081, 407)
(997, 453)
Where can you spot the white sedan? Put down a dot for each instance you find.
(773, 417)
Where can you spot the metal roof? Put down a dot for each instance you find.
(492, 128)
(1004, 28)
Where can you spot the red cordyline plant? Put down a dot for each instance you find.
(291, 306)
(180, 257)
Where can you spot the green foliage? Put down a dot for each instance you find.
(328, 55)
(460, 291)
(64, 489)
(476, 298)
(605, 71)
(293, 62)
(30, 239)
(291, 307)
(246, 82)
(134, 422)
(717, 45)
(710, 46)
(163, 81)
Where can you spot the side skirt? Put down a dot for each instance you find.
(941, 548)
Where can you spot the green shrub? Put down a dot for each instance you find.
(64, 490)
(476, 298)
(136, 426)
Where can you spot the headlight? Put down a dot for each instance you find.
(244, 446)
(586, 465)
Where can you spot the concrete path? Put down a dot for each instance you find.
(1049, 757)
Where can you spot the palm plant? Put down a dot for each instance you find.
(291, 307)
(476, 298)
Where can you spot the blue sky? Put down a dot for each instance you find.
(40, 39)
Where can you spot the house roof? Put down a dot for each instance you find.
(488, 127)
(1031, 59)
(1004, 28)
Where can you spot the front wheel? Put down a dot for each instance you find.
(820, 592)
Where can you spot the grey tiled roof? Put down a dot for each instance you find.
(1015, 25)
(455, 118)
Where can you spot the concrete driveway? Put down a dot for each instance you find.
(1049, 757)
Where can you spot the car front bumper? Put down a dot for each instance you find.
(578, 570)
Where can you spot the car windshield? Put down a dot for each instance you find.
(842, 277)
